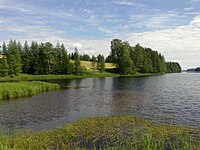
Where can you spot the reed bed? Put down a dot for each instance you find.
(111, 133)
(10, 90)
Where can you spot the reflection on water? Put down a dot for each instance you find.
(171, 99)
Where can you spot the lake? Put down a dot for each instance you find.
(170, 98)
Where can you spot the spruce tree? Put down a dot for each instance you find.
(77, 63)
(26, 59)
(3, 67)
(14, 58)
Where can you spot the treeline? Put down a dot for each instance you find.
(194, 69)
(172, 67)
(130, 60)
(45, 58)
(41, 59)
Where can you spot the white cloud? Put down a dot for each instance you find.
(77, 45)
(188, 8)
(176, 44)
(104, 30)
(128, 3)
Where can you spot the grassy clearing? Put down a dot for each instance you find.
(107, 133)
(22, 89)
(88, 65)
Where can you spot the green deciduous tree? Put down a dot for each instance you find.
(120, 54)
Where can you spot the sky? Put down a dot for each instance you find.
(171, 27)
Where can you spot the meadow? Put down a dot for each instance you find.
(10, 90)
(110, 133)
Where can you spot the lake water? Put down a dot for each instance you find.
(170, 98)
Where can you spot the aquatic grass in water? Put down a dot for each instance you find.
(108, 133)
(22, 89)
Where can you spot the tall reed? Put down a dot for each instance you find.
(10, 90)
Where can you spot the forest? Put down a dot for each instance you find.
(45, 58)
(130, 60)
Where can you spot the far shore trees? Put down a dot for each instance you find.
(44, 58)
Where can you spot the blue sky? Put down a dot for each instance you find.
(171, 27)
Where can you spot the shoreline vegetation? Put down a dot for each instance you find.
(122, 132)
(11, 90)
(88, 74)
(25, 85)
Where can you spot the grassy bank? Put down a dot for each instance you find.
(22, 89)
(107, 133)
(25, 77)
(89, 74)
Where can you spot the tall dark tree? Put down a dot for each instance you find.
(77, 63)
(3, 67)
(26, 59)
(14, 58)
(44, 67)
(35, 59)
(4, 48)
(66, 65)
(93, 61)
(100, 63)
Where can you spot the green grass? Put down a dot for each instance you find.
(107, 133)
(9, 90)
(88, 65)
(88, 74)
(25, 77)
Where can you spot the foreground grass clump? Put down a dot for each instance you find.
(22, 89)
(107, 133)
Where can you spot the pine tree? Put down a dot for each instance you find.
(26, 59)
(66, 65)
(14, 58)
(35, 59)
(77, 63)
(3, 67)
(4, 48)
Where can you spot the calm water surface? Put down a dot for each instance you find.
(171, 98)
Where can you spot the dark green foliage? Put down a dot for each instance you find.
(66, 66)
(77, 62)
(93, 60)
(35, 60)
(4, 48)
(120, 55)
(3, 67)
(44, 58)
(108, 59)
(85, 57)
(14, 57)
(197, 69)
(100, 62)
(26, 59)
(130, 60)
(173, 67)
